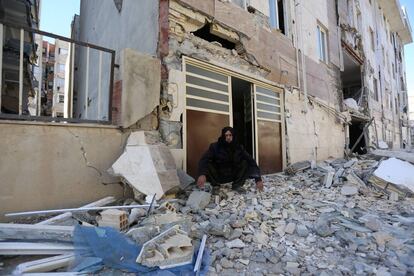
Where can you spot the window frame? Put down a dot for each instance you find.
(322, 35)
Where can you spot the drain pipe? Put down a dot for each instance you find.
(300, 42)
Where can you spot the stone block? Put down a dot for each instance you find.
(169, 249)
(349, 190)
(150, 169)
(198, 200)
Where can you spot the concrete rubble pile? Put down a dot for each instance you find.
(329, 218)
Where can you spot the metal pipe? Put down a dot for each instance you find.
(200, 255)
(39, 93)
(87, 83)
(1, 62)
(31, 30)
(75, 210)
(99, 84)
(21, 72)
(111, 86)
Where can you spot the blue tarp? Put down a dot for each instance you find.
(96, 247)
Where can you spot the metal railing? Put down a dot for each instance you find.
(28, 91)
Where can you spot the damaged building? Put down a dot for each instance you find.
(296, 85)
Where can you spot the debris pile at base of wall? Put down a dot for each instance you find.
(326, 219)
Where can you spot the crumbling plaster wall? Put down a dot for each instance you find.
(46, 166)
(134, 26)
(262, 53)
(314, 134)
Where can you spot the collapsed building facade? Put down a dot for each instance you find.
(279, 72)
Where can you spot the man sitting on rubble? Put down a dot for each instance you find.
(226, 161)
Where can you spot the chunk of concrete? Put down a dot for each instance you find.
(169, 249)
(237, 243)
(349, 190)
(198, 200)
(150, 169)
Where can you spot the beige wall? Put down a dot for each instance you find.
(45, 166)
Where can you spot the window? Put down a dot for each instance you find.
(63, 51)
(371, 32)
(322, 44)
(376, 92)
(61, 98)
(61, 67)
(278, 15)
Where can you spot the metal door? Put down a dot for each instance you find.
(268, 115)
(208, 110)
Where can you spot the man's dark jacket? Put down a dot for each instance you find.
(226, 157)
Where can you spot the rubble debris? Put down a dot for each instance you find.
(402, 155)
(198, 200)
(396, 173)
(298, 167)
(114, 218)
(169, 249)
(349, 190)
(73, 210)
(60, 219)
(300, 224)
(35, 232)
(351, 104)
(148, 168)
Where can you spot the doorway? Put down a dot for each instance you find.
(243, 122)
(355, 131)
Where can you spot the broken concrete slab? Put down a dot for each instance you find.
(397, 172)
(169, 249)
(348, 190)
(150, 169)
(237, 243)
(198, 200)
(36, 232)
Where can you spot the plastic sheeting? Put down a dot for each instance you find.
(96, 247)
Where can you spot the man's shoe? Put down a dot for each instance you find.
(239, 189)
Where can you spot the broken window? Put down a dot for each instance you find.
(205, 33)
(322, 44)
(278, 15)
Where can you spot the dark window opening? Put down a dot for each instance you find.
(205, 34)
(281, 11)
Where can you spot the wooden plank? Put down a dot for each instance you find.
(27, 248)
(36, 232)
(62, 217)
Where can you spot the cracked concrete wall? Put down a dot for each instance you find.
(314, 133)
(50, 166)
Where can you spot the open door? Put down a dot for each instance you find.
(208, 110)
(268, 117)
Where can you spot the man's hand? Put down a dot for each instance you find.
(201, 181)
(259, 185)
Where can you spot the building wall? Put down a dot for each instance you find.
(382, 64)
(135, 26)
(268, 55)
(60, 166)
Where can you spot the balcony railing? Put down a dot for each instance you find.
(32, 85)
